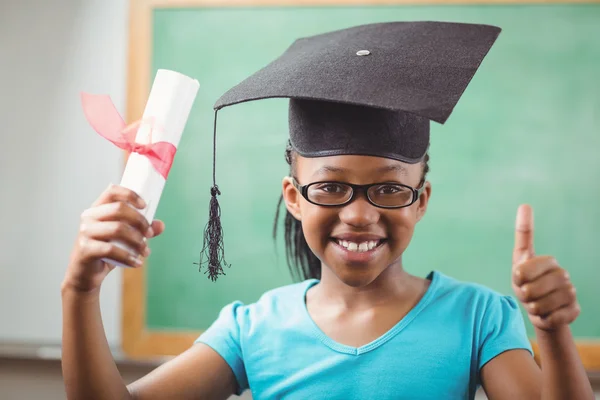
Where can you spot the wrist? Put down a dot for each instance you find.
(556, 338)
(70, 288)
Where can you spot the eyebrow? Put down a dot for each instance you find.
(382, 170)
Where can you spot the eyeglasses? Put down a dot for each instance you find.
(382, 195)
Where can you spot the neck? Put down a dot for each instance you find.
(393, 284)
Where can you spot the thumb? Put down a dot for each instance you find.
(523, 250)
(158, 227)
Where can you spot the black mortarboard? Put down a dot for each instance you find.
(370, 90)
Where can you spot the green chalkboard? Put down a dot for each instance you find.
(526, 130)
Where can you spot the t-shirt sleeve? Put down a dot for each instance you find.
(224, 336)
(503, 329)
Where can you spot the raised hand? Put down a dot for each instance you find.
(113, 216)
(542, 285)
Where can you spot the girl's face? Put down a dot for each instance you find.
(340, 235)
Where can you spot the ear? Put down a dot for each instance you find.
(423, 201)
(292, 198)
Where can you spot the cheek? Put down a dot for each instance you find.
(400, 225)
(317, 224)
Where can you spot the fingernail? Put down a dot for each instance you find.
(146, 251)
(141, 202)
(136, 259)
(150, 232)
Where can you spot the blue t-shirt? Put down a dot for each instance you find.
(435, 352)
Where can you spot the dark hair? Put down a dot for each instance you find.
(302, 262)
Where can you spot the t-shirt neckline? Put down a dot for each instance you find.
(391, 333)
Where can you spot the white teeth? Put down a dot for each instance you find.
(358, 247)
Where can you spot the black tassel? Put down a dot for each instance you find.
(213, 250)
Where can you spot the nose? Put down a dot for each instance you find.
(359, 213)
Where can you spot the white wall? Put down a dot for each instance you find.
(52, 165)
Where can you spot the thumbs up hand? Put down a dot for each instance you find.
(543, 287)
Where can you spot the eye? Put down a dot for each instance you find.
(389, 189)
(331, 188)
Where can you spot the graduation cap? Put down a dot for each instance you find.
(367, 90)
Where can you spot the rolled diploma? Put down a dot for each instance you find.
(169, 104)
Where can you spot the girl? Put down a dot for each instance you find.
(357, 326)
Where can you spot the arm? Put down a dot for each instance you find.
(89, 370)
(515, 375)
(512, 375)
(563, 375)
(546, 292)
(198, 373)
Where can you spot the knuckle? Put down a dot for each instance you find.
(117, 229)
(114, 188)
(144, 224)
(110, 191)
(520, 295)
(137, 239)
(83, 242)
(123, 230)
(552, 262)
(84, 214)
(533, 308)
(572, 294)
(132, 196)
(526, 271)
(526, 292)
(84, 228)
(518, 272)
(107, 249)
(121, 207)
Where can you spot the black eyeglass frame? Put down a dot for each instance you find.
(303, 189)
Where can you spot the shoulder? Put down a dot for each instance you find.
(271, 306)
(462, 291)
(495, 319)
(483, 306)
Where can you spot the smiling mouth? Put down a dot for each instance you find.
(359, 247)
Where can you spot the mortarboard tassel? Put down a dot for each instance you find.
(213, 249)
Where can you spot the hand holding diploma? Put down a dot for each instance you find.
(115, 229)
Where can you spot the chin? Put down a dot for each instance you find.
(356, 277)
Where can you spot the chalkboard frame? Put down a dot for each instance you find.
(137, 340)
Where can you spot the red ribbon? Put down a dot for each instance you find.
(103, 116)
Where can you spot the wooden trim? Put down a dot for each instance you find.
(136, 341)
(133, 313)
(241, 3)
(589, 351)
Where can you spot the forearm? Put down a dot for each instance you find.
(89, 370)
(563, 375)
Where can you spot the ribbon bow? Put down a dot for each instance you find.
(103, 116)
